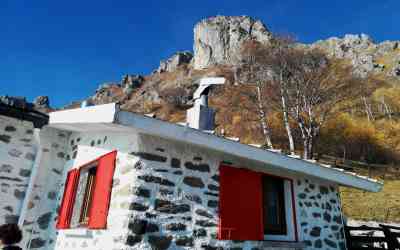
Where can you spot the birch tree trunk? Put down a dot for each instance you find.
(304, 137)
(306, 148)
(387, 109)
(263, 118)
(368, 110)
(286, 121)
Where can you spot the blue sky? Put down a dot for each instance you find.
(65, 49)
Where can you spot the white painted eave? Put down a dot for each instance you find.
(108, 117)
(93, 114)
(196, 137)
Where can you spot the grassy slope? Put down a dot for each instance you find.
(383, 206)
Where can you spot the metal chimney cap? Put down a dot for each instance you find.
(207, 82)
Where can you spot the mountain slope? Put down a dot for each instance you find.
(167, 92)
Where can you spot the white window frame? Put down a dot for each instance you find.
(289, 216)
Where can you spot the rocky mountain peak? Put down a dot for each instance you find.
(217, 40)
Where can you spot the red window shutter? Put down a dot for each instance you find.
(240, 205)
(102, 191)
(67, 204)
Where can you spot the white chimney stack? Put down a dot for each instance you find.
(200, 116)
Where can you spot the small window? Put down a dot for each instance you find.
(277, 209)
(87, 198)
(84, 196)
(274, 205)
(87, 194)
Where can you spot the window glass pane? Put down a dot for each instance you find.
(87, 199)
(83, 195)
(80, 193)
(274, 205)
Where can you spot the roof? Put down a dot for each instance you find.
(110, 117)
(19, 108)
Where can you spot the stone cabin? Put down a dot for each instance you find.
(19, 134)
(101, 178)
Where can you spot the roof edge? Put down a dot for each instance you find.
(37, 118)
(111, 114)
(183, 133)
(105, 113)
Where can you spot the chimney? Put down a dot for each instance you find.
(200, 116)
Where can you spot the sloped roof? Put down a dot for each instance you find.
(19, 108)
(110, 117)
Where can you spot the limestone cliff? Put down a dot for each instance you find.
(217, 40)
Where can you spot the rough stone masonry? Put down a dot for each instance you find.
(18, 149)
(165, 196)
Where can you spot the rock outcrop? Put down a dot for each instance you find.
(131, 82)
(218, 40)
(366, 56)
(172, 63)
(42, 102)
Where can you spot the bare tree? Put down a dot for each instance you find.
(275, 65)
(317, 85)
(304, 84)
(256, 73)
(368, 108)
(278, 59)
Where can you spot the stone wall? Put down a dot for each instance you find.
(17, 153)
(165, 196)
(176, 202)
(114, 237)
(41, 198)
(61, 152)
(319, 214)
